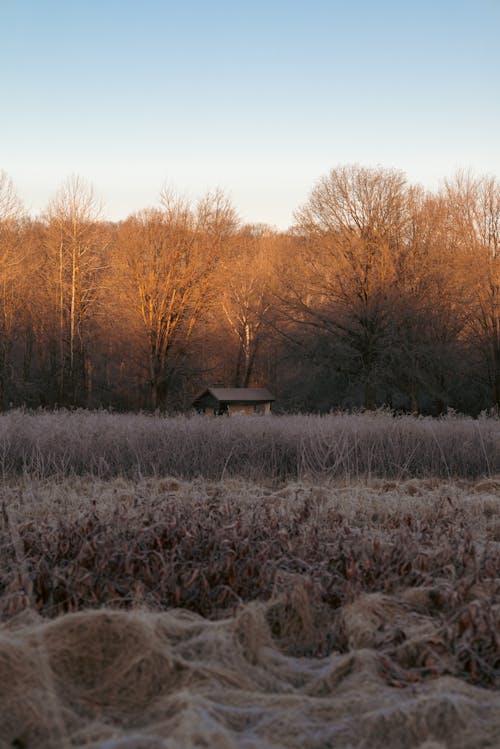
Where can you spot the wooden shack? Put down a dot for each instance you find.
(216, 401)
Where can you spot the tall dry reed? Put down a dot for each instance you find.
(341, 446)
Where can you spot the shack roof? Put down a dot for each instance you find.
(238, 395)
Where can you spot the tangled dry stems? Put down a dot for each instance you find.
(331, 563)
(164, 613)
(341, 446)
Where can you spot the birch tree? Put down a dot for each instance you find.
(246, 298)
(75, 244)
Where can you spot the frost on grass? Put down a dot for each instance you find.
(167, 613)
(341, 446)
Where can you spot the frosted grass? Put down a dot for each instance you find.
(341, 446)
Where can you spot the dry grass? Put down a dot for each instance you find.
(342, 446)
(163, 613)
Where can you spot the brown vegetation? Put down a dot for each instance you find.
(243, 614)
(341, 446)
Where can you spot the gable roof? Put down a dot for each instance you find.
(238, 395)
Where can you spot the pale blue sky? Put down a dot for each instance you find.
(257, 98)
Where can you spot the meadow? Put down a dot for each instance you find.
(293, 581)
(341, 446)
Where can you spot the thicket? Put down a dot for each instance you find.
(339, 446)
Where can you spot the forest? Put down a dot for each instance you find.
(381, 294)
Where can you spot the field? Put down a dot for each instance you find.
(247, 583)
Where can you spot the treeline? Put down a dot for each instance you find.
(380, 294)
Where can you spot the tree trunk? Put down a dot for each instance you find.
(370, 396)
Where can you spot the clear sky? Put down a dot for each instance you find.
(257, 97)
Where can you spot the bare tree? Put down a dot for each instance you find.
(11, 273)
(381, 293)
(246, 297)
(474, 210)
(166, 259)
(429, 301)
(11, 207)
(352, 230)
(75, 243)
